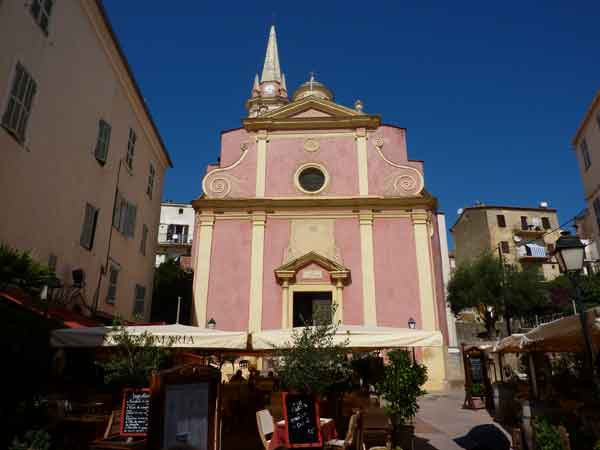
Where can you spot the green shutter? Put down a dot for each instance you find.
(89, 227)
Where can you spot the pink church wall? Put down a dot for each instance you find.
(439, 281)
(396, 278)
(277, 237)
(394, 149)
(347, 238)
(239, 181)
(230, 145)
(229, 280)
(337, 155)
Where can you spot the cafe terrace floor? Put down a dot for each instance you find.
(441, 422)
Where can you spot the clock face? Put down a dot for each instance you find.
(269, 89)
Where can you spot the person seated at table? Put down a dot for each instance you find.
(237, 377)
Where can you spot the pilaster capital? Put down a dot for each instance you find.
(259, 218)
(206, 219)
(360, 133)
(420, 217)
(365, 217)
(285, 277)
(262, 135)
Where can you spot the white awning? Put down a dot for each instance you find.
(175, 335)
(359, 337)
(562, 335)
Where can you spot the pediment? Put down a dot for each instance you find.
(312, 112)
(290, 269)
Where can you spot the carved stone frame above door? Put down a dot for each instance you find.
(287, 275)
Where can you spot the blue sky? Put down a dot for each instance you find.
(490, 93)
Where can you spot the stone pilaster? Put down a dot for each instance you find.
(256, 271)
(206, 221)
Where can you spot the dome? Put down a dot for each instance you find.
(312, 87)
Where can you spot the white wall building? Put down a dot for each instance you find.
(175, 232)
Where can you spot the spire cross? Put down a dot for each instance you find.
(311, 79)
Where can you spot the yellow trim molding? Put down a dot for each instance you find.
(368, 268)
(256, 271)
(363, 169)
(261, 162)
(205, 223)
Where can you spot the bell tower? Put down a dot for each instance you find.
(269, 92)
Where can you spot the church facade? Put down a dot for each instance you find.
(315, 204)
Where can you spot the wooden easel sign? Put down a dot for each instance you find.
(135, 412)
(302, 421)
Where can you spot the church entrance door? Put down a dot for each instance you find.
(310, 307)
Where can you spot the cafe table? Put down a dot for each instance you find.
(279, 438)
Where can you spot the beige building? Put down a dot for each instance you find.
(586, 144)
(83, 163)
(523, 236)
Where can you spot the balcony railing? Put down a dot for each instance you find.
(530, 232)
(532, 252)
(175, 239)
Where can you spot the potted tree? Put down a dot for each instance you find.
(400, 388)
(313, 362)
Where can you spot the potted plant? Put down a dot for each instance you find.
(313, 362)
(400, 388)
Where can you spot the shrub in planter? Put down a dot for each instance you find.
(33, 440)
(401, 387)
(477, 390)
(313, 363)
(547, 436)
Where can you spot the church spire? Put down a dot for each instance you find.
(271, 70)
(270, 92)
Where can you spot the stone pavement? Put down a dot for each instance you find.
(441, 420)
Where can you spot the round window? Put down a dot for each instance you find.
(311, 179)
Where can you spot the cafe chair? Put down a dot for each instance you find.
(266, 426)
(354, 436)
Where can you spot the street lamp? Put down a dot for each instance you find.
(412, 324)
(211, 324)
(570, 254)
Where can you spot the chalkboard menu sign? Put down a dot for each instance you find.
(135, 412)
(301, 414)
(476, 370)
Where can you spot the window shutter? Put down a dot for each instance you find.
(89, 227)
(144, 239)
(103, 141)
(130, 225)
(19, 104)
(139, 300)
(117, 211)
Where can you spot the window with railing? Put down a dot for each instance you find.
(176, 234)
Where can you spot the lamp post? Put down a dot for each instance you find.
(570, 254)
(412, 324)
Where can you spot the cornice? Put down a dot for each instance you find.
(270, 203)
(108, 40)
(311, 123)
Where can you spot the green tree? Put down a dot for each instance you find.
(562, 293)
(401, 387)
(134, 358)
(20, 269)
(496, 290)
(171, 282)
(313, 362)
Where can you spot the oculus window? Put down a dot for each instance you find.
(312, 179)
